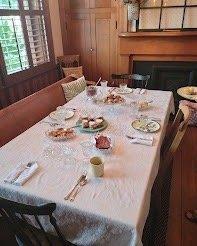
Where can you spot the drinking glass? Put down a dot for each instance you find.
(91, 92)
(104, 83)
(134, 109)
(68, 154)
(104, 86)
(87, 148)
(123, 85)
(52, 150)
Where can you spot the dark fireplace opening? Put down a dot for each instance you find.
(168, 76)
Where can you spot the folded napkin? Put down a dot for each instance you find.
(139, 91)
(21, 174)
(140, 139)
(142, 91)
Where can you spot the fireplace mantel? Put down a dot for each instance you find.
(158, 34)
(156, 46)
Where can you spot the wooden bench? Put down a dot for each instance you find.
(23, 114)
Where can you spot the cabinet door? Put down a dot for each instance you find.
(79, 4)
(104, 44)
(80, 40)
(100, 3)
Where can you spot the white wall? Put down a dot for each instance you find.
(56, 28)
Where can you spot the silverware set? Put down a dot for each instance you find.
(51, 123)
(149, 117)
(75, 190)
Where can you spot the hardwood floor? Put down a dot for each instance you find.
(181, 232)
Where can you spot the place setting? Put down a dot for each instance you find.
(22, 173)
(95, 170)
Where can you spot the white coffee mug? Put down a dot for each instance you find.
(96, 167)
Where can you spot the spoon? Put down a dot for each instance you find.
(82, 177)
(29, 164)
(82, 183)
(50, 123)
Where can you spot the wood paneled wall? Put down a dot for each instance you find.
(16, 90)
(89, 28)
(97, 31)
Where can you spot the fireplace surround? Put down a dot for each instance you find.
(169, 75)
(163, 52)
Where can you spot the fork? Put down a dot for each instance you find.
(82, 183)
(82, 177)
(50, 123)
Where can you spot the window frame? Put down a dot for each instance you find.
(32, 71)
(159, 29)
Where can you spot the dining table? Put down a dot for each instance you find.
(109, 210)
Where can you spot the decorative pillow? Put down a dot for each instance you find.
(76, 71)
(73, 88)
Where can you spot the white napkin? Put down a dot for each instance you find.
(21, 174)
(140, 139)
(139, 91)
(142, 91)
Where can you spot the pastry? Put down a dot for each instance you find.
(103, 142)
(113, 99)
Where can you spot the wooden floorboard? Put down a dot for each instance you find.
(181, 232)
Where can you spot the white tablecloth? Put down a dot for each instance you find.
(108, 211)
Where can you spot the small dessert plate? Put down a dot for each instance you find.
(146, 125)
(103, 127)
(60, 134)
(61, 114)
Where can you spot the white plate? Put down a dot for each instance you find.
(185, 92)
(146, 125)
(124, 91)
(61, 114)
(60, 138)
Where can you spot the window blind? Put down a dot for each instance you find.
(23, 35)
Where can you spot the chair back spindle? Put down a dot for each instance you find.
(15, 214)
(162, 186)
(135, 80)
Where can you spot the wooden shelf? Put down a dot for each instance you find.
(158, 34)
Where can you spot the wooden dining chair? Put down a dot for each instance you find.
(69, 65)
(136, 80)
(15, 215)
(67, 61)
(162, 186)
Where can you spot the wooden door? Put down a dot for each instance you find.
(104, 44)
(100, 3)
(79, 4)
(80, 40)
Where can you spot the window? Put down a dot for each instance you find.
(23, 35)
(168, 15)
